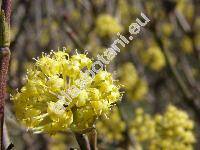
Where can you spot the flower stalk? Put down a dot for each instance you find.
(93, 139)
(83, 141)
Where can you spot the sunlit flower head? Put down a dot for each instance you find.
(45, 103)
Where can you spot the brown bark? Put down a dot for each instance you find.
(4, 61)
(6, 7)
(5, 57)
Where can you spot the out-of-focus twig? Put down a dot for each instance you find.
(189, 99)
(188, 30)
(27, 5)
(128, 140)
(93, 8)
(182, 21)
(71, 34)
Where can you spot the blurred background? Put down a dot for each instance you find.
(159, 69)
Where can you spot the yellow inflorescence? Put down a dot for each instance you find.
(111, 129)
(139, 90)
(186, 45)
(176, 128)
(128, 75)
(154, 58)
(136, 88)
(143, 126)
(107, 26)
(167, 29)
(171, 131)
(43, 104)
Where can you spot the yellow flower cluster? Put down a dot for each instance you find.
(136, 88)
(176, 128)
(186, 45)
(142, 126)
(139, 90)
(111, 128)
(170, 131)
(154, 58)
(167, 29)
(45, 103)
(107, 26)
